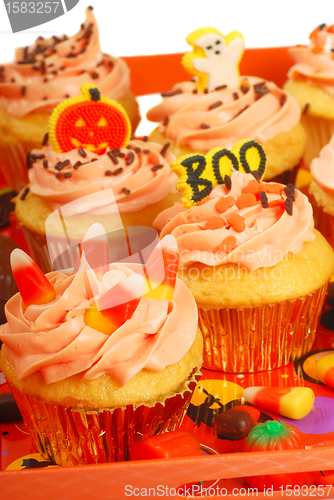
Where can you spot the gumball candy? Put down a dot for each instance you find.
(161, 269)
(33, 285)
(236, 422)
(116, 306)
(168, 445)
(324, 370)
(291, 402)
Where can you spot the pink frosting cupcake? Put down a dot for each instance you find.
(43, 75)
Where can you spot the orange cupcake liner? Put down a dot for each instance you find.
(74, 436)
(13, 163)
(260, 338)
(319, 132)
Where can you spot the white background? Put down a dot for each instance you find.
(133, 27)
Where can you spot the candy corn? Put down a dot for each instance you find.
(116, 306)
(161, 269)
(291, 402)
(33, 285)
(324, 370)
(167, 445)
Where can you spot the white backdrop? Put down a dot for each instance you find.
(133, 27)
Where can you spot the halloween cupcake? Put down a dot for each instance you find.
(92, 171)
(249, 254)
(96, 361)
(217, 107)
(311, 82)
(40, 77)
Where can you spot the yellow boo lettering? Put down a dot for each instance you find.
(199, 174)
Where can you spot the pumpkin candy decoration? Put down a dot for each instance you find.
(274, 435)
(90, 121)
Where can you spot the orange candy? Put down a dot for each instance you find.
(254, 187)
(214, 223)
(224, 204)
(228, 244)
(272, 188)
(237, 222)
(246, 200)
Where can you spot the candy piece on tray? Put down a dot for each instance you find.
(161, 269)
(324, 370)
(33, 285)
(116, 306)
(91, 121)
(274, 435)
(291, 402)
(236, 422)
(215, 58)
(167, 445)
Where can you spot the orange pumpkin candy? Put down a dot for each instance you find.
(90, 121)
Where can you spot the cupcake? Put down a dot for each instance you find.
(311, 82)
(217, 107)
(40, 77)
(94, 365)
(250, 256)
(96, 181)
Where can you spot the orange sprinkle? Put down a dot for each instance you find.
(214, 223)
(316, 49)
(246, 200)
(228, 244)
(276, 203)
(224, 204)
(271, 188)
(237, 222)
(253, 187)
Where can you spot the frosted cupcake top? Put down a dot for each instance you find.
(315, 62)
(249, 223)
(322, 168)
(61, 327)
(53, 69)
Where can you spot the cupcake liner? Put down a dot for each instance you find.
(319, 132)
(74, 436)
(13, 163)
(260, 338)
(287, 177)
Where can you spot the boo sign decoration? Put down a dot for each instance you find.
(199, 174)
(23, 15)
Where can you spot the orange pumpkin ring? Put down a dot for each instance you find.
(90, 121)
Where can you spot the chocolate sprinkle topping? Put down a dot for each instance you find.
(100, 63)
(28, 159)
(67, 175)
(108, 172)
(290, 191)
(58, 175)
(145, 138)
(45, 164)
(146, 151)
(195, 91)
(43, 67)
(126, 191)
(35, 157)
(289, 205)
(130, 158)
(215, 104)
(157, 167)
(321, 26)
(235, 95)
(166, 120)
(23, 90)
(113, 157)
(95, 75)
(228, 181)
(45, 139)
(244, 89)
(118, 171)
(137, 150)
(206, 91)
(264, 199)
(118, 153)
(82, 152)
(221, 87)
(305, 110)
(164, 148)
(171, 93)
(204, 125)
(282, 99)
(77, 165)
(24, 194)
(62, 164)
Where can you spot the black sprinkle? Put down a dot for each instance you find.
(157, 167)
(290, 191)
(244, 89)
(24, 194)
(100, 63)
(215, 105)
(146, 151)
(67, 96)
(23, 90)
(82, 152)
(264, 199)
(145, 138)
(43, 67)
(305, 110)
(321, 26)
(195, 91)
(28, 160)
(62, 164)
(171, 93)
(118, 171)
(62, 68)
(228, 181)
(113, 157)
(126, 191)
(45, 164)
(220, 87)
(289, 206)
(58, 175)
(77, 165)
(166, 120)
(118, 153)
(192, 79)
(204, 125)
(67, 175)
(137, 150)
(164, 148)
(35, 157)
(130, 158)
(95, 75)
(282, 99)
(93, 159)
(108, 172)
(45, 139)
(235, 95)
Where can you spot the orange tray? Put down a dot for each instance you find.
(223, 468)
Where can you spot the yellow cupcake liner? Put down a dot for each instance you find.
(319, 132)
(260, 338)
(74, 436)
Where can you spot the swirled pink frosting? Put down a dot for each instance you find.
(54, 339)
(322, 168)
(44, 74)
(135, 184)
(315, 63)
(257, 113)
(270, 233)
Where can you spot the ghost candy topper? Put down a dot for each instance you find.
(215, 58)
(90, 121)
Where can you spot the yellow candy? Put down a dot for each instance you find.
(160, 292)
(99, 322)
(215, 59)
(298, 403)
(199, 174)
